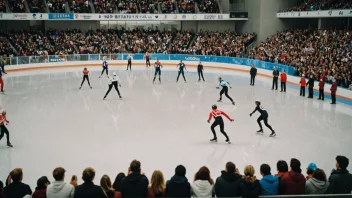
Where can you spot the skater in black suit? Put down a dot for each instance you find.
(157, 66)
(129, 61)
(200, 71)
(105, 68)
(310, 85)
(263, 116)
(253, 73)
(275, 78)
(181, 69)
(113, 82)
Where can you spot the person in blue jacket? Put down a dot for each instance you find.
(269, 183)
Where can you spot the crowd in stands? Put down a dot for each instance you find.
(56, 6)
(2, 6)
(167, 6)
(125, 6)
(79, 6)
(181, 42)
(36, 6)
(148, 6)
(314, 5)
(104, 6)
(288, 180)
(208, 6)
(186, 6)
(323, 53)
(17, 6)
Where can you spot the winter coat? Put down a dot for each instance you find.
(314, 186)
(151, 193)
(17, 190)
(134, 185)
(292, 183)
(321, 85)
(303, 82)
(269, 185)
(60, 189)
(340, 182)
(333, 88)
(202, 188)
(88, 190)
(249, 190)
(310, 83)
(227, 185)
(39, 193)
(178, 187)
(253, 71)
(275, 73)
(283, 77)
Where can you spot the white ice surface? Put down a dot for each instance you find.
(52, 124)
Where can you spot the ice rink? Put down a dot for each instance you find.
(53, 123)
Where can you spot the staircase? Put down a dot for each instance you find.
(27, 6)
(46, 6)
(2, 39)
(7, 6)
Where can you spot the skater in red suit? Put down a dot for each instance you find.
(218, 121)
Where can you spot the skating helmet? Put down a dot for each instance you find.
(214, 106)
(114, 73)
(257, 101)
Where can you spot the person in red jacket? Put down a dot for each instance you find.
(333, 90)
(303, 83)
(321, 89)
(218, 121)
(283, 78)
(40, 190)
(293, 182)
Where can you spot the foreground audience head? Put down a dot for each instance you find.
(73, 181)
(59, 174)
(295, 165)
(16, 175)
(230, 167)
(203, 174)
(105, 184)
(118, 180)
(249, 174)
(88, 174)
(342, 162)
(311, 168)
(43, 182)
(1, 185)
(180, 171)
(135, 166)
(157, 182)
(282, 166)
(320, 175)
(265, 170)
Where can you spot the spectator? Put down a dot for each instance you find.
(17, 189)
(310, 170)
(227, 185)
(73, 181)
(317, 184)
(59, 188)
(282, 168)
(293, 183)
(340, 180)
(2, 190)
(105, 184)
(88, 189)
(178, 185)
(203, 183)
(250, 186)
(117, 184)
(269, 184)
(333, 90)
(135, 184)
(157, 185)
(40, 190)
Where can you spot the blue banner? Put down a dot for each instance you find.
(60, 16)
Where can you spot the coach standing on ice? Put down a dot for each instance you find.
(253, 73)
(275, 78)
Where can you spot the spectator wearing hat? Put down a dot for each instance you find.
(178, 185)
(17, 189)
(317, 184)
(340, 179)
(293, 183)
(310, 169)
(227, 185)
(269, 183)
(59, 188)
(40, 190)
(282, 168)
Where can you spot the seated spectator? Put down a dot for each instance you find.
(269, 183)
(317, 184)
(73, 181)
(106, 6)
(157, 185)
(135, 184)
(227, 185)
(17, 189)
(36, 6)
(57, 6)
(88, 189)
(310, 170)
(314, 5)
(250, 186)
(117, 184)
(340, 180)
(17, 6)
(178, 185)
(203, 183)
(2, 190)
(79, 6)
(105, 184)
(59, 188)
(40, 190)
(186, 6)
(282, 168)
(2, 6)
(293, 183)
(208, 6)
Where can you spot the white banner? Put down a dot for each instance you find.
(316, 14)
(24, 16)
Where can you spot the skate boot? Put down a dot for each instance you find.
(104, 97)
(219, 100)
(260, 131)
(273, 134)
(233, 103)
(228, 141)
(91, 88)
(214, 139)
(80, 87)
(9, 144)
(120, 96)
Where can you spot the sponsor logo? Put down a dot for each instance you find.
(61, 16)
(175, 16)
(184, 16)
(165, 16)
(330, 12)
(20, 16)
(220, 17)
(35, 16)
(83, 16)
(341, 13)
(56, 59)
(299, 14)
(192, 58)
(156, 16)
(194, 17)
(209, 16)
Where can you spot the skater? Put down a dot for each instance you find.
(302, 82)
(253, 73)
(105, 67)
(200, 71)
(310, 86)
(218, 121)
(2, 65)
(1, 80)
(283, 78)
(86, 75)
(181, 69)
(333, 90)
(3, 128)
(263, 116)
(113, 82)
(147, 59)
(275, 78)
(225, 88)
(157, 66)
(321, 89)
(129, 61)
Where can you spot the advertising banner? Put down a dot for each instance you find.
(55, 59)
(23, 16)
(61, 16)
(316, 14)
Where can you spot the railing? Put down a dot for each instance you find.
(96, 57)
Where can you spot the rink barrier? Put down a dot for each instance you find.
(307, 196)
(343, 95)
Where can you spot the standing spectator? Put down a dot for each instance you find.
(283, 78)
(250, 186)
(40, 190)
(136, 183)
(227, 185)
(253, 73)
(282, 168)
(317, 184)
(275, 78)
(88, 189)
(321, 89)
(117, 184)
(2, 190)
(333, 90)
(157, 185)
(105, 184)
(310, 170)
(59, 188)
(178, 185)
(203, 183)
(340, 180)
(269, 184)
(302, 82)
(73, 181)
(310, 86)
(17, 189)
(293, 183)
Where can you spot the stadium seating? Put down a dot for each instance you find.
(2, 6)
(17, 6)
(106, 6)
(208, 6)
(186, 6)
(56, 6)
(36, 6)
(313, 5)
(79, 6)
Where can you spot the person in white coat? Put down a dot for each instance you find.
(203, 184)
(59, 188)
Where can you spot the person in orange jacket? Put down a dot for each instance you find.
(303, 83)
(283, 78)
(3, 128)
(321, 89)
(333, 90)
